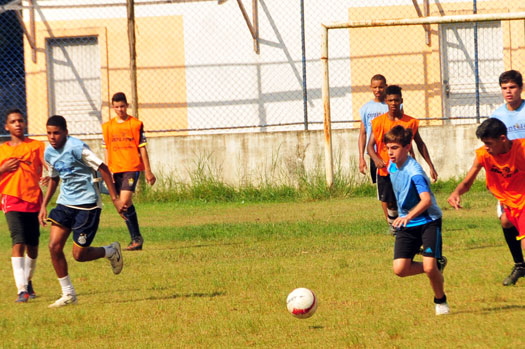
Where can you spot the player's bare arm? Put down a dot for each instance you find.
(108, 179)
(455, 198)
(361, 143)
(422, 205)
(422, 147)
(51, 188)
(150, 177)
(371, 151)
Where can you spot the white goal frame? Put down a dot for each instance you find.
(325, 91)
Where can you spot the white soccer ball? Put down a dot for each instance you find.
(301, 303)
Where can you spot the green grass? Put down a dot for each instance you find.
(217, 275)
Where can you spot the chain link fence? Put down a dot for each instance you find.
(219, 66)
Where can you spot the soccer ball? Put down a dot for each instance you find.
(301, 303)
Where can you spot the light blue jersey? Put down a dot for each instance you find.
(407, 182)
(513, 119)
(76, 173)
(369, 112)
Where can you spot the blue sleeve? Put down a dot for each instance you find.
(421, 184)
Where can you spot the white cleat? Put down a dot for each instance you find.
(442, 309)
(68, 299)
(116, 259)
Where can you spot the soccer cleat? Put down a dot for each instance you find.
(517, 272)
(68, 299)
(116, 258)
(135, 245)
(442, 263)
(22, 297)
(442, 309)
(30, 290)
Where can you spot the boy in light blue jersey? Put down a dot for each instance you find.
(78, 205)
(419, 220)
(368, 112)
(512, 114)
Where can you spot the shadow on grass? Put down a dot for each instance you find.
(490, 310)
(197, 246)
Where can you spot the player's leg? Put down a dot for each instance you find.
(432, 247)
(510, 233)
(32, 231)
(385, 194)
(15, 222)
(405, 248)
(84, 231)
(127, 184)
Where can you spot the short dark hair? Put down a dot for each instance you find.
(378, 77)
(398, 134)
(511, 76)
(58, 121)
(13, 111)
(491, 128)
(394, 90)
(119, 97)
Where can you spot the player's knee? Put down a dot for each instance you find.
(430, 268)
(79, 254)
(400, 269)
(55, 248)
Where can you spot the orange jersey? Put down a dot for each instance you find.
(122, 141)
(24, 182)
(505, 174)
(381, 125)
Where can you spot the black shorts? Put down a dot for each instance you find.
(409, 240)
(24, 227)
(385, 192)
(373, 170)
(126, 181)
(83, 223)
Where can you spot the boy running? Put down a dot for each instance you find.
(127, 155)
(380, 126)
(512, 114)
(21, 161)
(504, 163)
(78, 205)
(419, 221)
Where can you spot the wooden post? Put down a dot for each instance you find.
(329, 167)
(132, 58)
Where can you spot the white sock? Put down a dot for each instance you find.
(18, 271)
(67, 286)
(109, 251)
(29, 269)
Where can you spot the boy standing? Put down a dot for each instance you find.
(504, 163)
(21, 161)
(419, 221)
(78, 205)
(380, 126)
(512, 114)
(127, 155)
(369, 112)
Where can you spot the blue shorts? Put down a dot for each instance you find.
(126, 181)
(83, 223)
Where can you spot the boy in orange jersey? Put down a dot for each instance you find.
(504, 164)
(21, 161)
(126, 155)
(380, 126)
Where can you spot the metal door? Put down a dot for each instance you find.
(458, 69)
(74, 83)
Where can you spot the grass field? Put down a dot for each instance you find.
(217, 275)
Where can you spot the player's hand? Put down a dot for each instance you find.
(42, 216)
(362, 166)
(455, 201)
(380, 163)
(400, 222)
(10, 165)
(44, 181)
(433, 175)
(150, 178)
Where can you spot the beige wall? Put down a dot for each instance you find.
(157, 62)
(403, 57)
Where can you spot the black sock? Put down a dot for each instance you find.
(441, 300)
(514, 245)
(133, 223)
